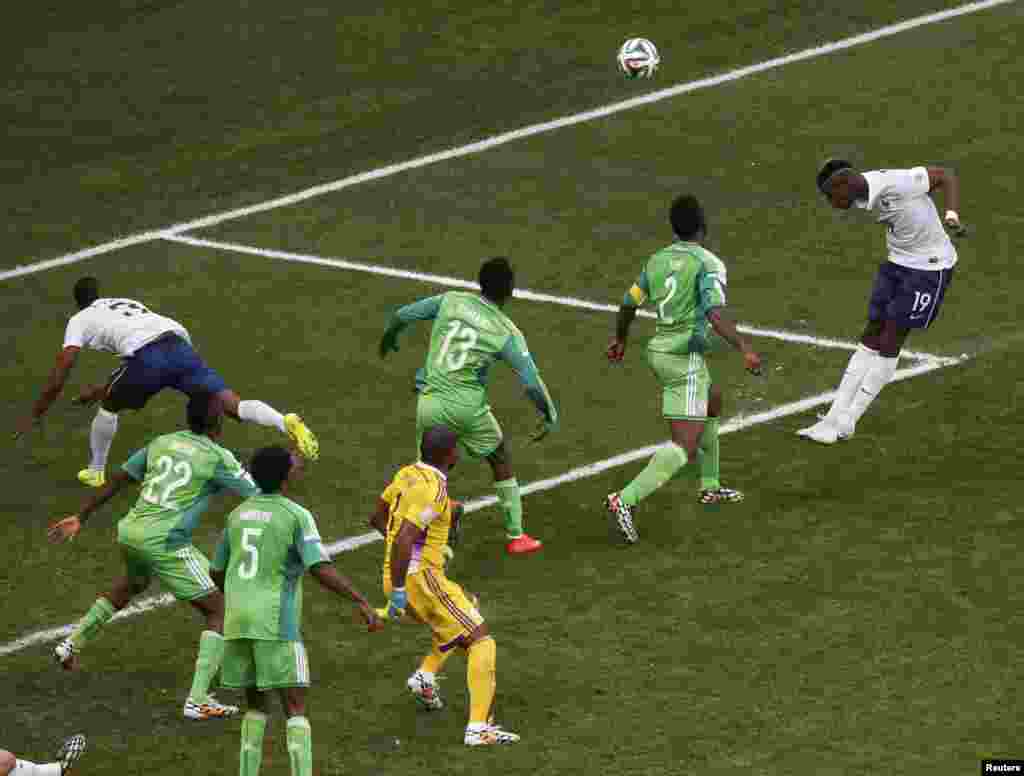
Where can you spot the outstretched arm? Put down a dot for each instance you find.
(517, 356)
(726, 329)
(423, 310)
(631, 303)
(945, 179)
(52, 389)
(329, 577)
(69, 527)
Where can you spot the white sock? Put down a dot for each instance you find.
(860, 362)
(875, 380)
(476, 727)
(255, 411)
(26, 768)
(101, 437)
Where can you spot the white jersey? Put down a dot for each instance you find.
(120, 326)
(914, 233)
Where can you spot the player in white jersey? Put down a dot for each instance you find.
(157, 353)
(910, 284)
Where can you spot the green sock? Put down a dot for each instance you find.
(511, 501)
(99, 614)
(707, 456)
(300, 746)
(211, 653)
(254, 725)
(662, 467)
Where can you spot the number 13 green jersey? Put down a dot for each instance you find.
(682, 282)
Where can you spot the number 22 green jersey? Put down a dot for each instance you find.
(683, 282)
(179, 473)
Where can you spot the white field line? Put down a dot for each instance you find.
(508, 137)
(573, 475)
(533, 296)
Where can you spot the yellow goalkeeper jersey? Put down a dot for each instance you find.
(419, 495)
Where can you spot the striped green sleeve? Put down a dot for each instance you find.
(516, 354)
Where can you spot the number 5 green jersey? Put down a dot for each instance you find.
(683, 282)
(268, 544)
(470, 333)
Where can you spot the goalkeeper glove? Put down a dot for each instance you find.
(397, 604)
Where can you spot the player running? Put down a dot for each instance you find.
(415, 515)
(685, 283)
(179, 473)
(269, 542)
(470, 333)
(68, 754)
(910, 285)
(157, 353)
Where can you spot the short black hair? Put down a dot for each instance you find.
(204, 412)
(87, 291)
(496, 278)
(830, 168)
(437, 442)
(270, 467)
(687, 217)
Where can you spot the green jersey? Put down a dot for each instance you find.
(683, 282)
(470, 333)
(268, 544)
(179, 474)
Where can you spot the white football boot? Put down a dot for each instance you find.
(209, 710)
(623, 517)
(824, 432)
(66, 655)
(69, 753)
(425, 691)
(488, 736)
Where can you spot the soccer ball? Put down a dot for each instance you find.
(638, 58)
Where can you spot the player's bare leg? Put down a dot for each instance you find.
(511, 502)
(254, 411)
(711, 489)
(100, 613)
(200, 704)
(665, 464)
(480, 676)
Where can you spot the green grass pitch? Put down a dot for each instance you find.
(860, 613)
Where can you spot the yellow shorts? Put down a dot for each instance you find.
(442, 604)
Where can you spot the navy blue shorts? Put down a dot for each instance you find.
(170, 362)
(909, 297)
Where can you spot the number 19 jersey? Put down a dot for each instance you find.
(683, 282)
(470, 333)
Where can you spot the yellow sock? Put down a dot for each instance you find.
(434, 662)
(480, 676)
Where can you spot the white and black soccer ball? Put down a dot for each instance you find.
(638, 58)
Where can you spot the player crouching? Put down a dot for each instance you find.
(415, 515)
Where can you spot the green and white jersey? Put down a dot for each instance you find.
(268, 544)
(179, 474)
(470, 333)
(682, 283)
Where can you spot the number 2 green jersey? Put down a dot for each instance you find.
(470, 333)
(268, 544)
(179, 473)
(683, 282)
